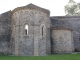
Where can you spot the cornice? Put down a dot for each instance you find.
(61, 28)
(31, 7)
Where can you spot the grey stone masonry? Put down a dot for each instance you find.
(62, 41)
(30, 31)
(35, 42)
(5, 33)
(70, 22)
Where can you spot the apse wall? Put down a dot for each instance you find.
(37, 41)
(70, 22)
(62, 41)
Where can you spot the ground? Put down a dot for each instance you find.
(75, 56)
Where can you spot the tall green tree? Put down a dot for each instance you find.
(72, 8)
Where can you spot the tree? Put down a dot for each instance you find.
(72, 8)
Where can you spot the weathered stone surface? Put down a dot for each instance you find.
(14, 39)
(62, 41)
(71, 23)
(5, 33)
(34, 43)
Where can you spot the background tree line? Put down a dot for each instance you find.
(72, 8)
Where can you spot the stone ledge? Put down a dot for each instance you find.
(61, 28)
(31, 7)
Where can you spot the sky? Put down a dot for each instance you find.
(56, 7)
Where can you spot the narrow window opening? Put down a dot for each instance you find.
(26, 29)
(42, 31)
(26, 32)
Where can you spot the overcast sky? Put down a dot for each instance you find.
(56, 7)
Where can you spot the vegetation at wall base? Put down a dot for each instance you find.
(74, 56)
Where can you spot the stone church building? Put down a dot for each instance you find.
(30, 31)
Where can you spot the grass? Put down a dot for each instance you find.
(50, 57)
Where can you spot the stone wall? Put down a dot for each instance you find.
(62, 41)
(71, 22)
(33, 43)
(37, 42)
(5, 33)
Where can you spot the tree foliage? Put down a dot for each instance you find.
(72, 8)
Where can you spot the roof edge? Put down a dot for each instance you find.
(64, 16)
(31, 7)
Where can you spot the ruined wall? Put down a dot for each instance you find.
(23, 43)
(71, 23)
(33, 43)
(5, 32)
(13, 39)
(62, 41)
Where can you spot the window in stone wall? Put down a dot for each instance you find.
(42, 30)
(26, 29)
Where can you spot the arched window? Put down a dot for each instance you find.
(26, 29)
(42, 30)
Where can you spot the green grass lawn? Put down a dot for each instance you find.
(50, 57)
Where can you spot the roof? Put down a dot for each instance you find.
(31, 7)
(64, 17)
